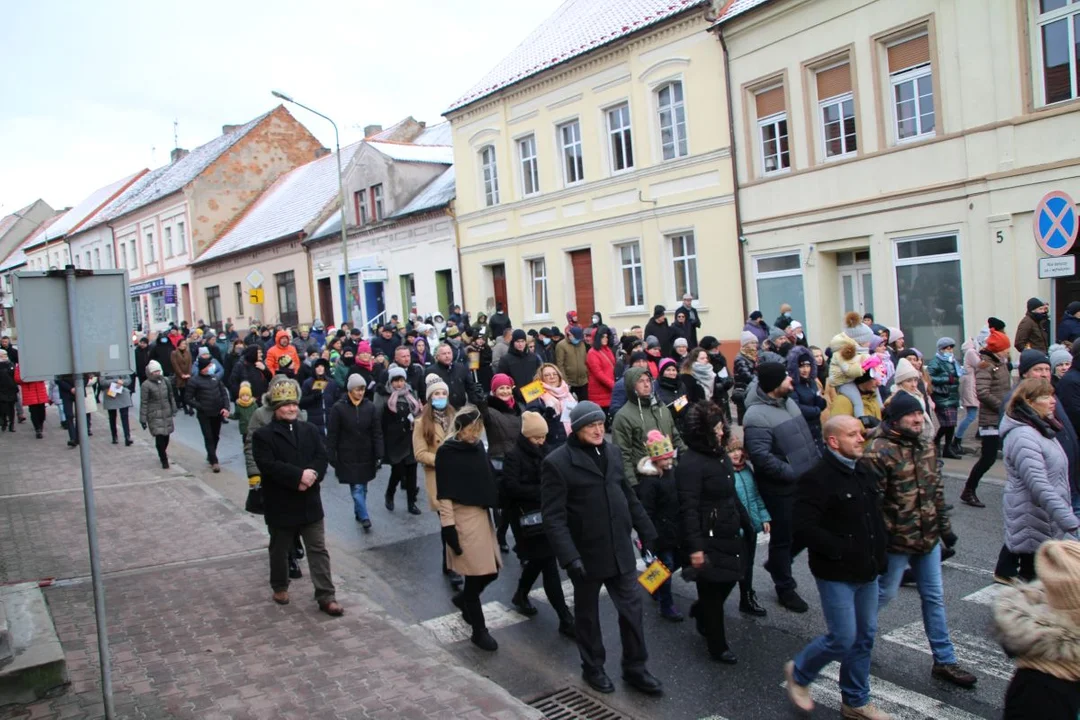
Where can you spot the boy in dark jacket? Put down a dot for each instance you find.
(399, 413)
(658, 494)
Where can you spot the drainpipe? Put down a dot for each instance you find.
(734, 171)
(457, 247)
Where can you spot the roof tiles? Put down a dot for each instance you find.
(576, 28)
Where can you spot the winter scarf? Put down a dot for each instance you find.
(706, 377)
(949, 357)
(558, 398)
(1039, 636)
(405, 394)
(369, 365)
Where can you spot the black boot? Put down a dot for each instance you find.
(698, 616)
(566, 622)
(748, 603)
(114, 440)
(521, 602)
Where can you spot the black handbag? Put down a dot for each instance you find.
(254, 503)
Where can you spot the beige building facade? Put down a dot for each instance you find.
(602, 181)
(890, 156)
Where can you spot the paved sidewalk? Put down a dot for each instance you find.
(193, 633)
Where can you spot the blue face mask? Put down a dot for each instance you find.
(439, 403)
(787, 314)
(574, 341)
(547, 341)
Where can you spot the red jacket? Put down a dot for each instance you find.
(601, 367)
(34, 392)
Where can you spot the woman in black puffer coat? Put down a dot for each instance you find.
(714, 524)
(521, 491)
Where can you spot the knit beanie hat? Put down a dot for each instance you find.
(204, 361)
(355, 380)
(152, 367)
(1057, 565)
(875, 342)
(658, 445)
(944, 342)
(652, 342)
(285, 391)
(775, 333)
(747, 338)
(1059, 356)
(499, 380)
(997, 342)
(245, 390)
(756, 315)
(363, 347)
(533, 425)
(1033, 303)
(204, 351)
(394, 373)
(902, 404)
(905, 371)
(771, 375)
(995, 324)
(585, 413)
(855, 329)
(895, 334)
(1030, 358)
(432, 383)
(663, 364)
(681, 342)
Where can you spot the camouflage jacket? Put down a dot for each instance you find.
(913, 494)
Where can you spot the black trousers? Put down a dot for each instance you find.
(549, 568)
(282, 543)
(161, 442)
(710, 608)
(470, 599)
(625, 593)
(746, 584)
(782, 548)
(990, 446)
(37, 417)
(581, 392)
(1011, 565)
(211, 433)
(403, 474)
(125, 422)
(7, 413)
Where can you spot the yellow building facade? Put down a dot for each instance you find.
(602, 182)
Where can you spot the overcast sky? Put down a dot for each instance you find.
(89, 90)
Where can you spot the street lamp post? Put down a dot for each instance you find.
(341, 190)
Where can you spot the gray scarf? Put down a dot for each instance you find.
(706, 377)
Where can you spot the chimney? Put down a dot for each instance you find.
(178, 154)
(322, 152)
(370, 130)
(226, 129)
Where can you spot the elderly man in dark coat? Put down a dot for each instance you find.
(291, 459)
(589, 510)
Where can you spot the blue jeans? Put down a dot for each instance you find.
(851, 618)
(927, 571)
(359, 500)
(663, 593)
(970, 413)
(1076, 504)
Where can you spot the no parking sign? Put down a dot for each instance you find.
(1056, 223)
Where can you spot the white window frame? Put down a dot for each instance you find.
(151, 251)
(770, 274)
(566, 148)
(181, 239)
(622, 135)
(97, 258)
(531, 265)
(489, 175)
(168, 241)
(636, 267)
(838, 100)
(109, 256)
(88, 261)
(680, 143)
(123, 256)
(378, 208)
(530, 169)
(685, 258)
(133, 247)
(362, 207)
(1068, 13)
(774, 121)
(912, 75)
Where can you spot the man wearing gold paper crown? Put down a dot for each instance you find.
(291, 459)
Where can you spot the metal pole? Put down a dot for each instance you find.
(88, 497)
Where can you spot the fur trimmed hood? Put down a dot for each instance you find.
(1038, 635)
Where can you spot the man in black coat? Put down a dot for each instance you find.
(659, 328)
(142, 357)
(414, 374)
(589, 510)
(354, 444)
(838, 518)
(498, 322)
(463, 388)
(162, 351)
(386, 341)
(520, 364)
(250, 368)
(209, 397)
(291, 459)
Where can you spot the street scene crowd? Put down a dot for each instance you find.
(584, 447)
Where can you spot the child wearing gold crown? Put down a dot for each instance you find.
(660, 498)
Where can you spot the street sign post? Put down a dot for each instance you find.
(1055, 223)
(255, 279)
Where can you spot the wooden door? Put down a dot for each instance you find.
(498, 282)
(326, 302)
(581, 261)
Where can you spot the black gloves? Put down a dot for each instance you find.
(449, 536)
(143, 425)
(869, 422)
(648, 547)
(949, 539)
(576, 570)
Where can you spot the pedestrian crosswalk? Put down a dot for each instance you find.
(981, 654)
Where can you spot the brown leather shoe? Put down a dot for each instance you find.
(332, 608)
(954, 674)
(281, 597)
(216, 468)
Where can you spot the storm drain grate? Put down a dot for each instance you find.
(572, 704)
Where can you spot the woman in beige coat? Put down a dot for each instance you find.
(430, 430)
(467, 493)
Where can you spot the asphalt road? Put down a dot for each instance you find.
(533, 660)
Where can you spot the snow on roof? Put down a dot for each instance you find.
(435, 135)
(8, 221)
(175, 176)
(408, 152)
(577, 27)
(330, 226)
(286, 207)
(85, 210)
(737, 7)
(18, 256)
(437, 193)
